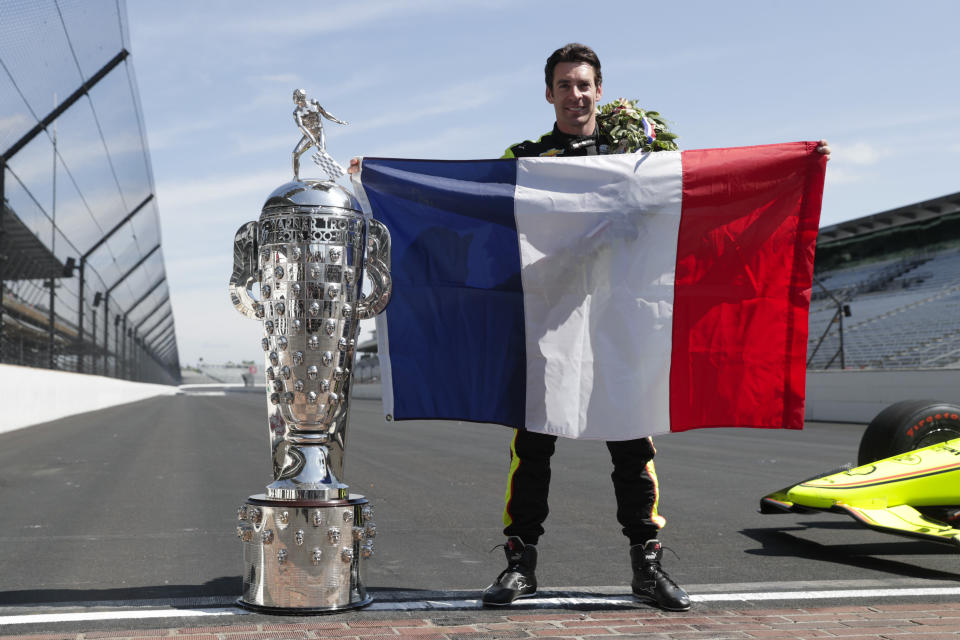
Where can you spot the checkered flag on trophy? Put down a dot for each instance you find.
(328, 164)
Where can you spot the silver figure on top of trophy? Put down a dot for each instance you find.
(306, 539)
(307, 116)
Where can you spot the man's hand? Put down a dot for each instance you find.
(824, 147)
(355, 164)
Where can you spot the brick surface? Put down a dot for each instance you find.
(772, 612)
(710, 635)
(723, 628)
(533, 617)
(663, 629)
(820, 624)
(161, 635)
(905, 621)
(632, 614)
(302, 626)
(349, 633)
(889, 622)
(817, 617)
(876, 631)
(240, 628)
(387, 623)
(487, 635)
(582, 631)
(776, 634)
(138, 633)
(939, 606)
(289, 634)
(509, 626)
(580, 624)
(463, 628)
(944, 622)
(417, 633)
(841, 609)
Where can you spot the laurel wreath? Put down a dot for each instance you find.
(621, 121)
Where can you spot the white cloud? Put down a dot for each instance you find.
(265, 144)
(308, 19)
(18, 121)
(172, 137)
(860, 153)
(207, 189)
(236, 337)
(839, 175)
(279, 78)
(437, 145)
(347, 17)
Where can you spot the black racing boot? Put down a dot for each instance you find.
(651, 582)
(518, 580)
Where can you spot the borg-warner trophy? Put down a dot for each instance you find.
(306, 539)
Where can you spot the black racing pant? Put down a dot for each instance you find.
(634, 482)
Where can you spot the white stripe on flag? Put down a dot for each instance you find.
(380, 320)
(598, 240)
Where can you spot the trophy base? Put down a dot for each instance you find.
(283, 611)
(305, 556)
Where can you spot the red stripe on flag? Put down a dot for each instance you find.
(742, 294)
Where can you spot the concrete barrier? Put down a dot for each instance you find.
(843, 396)
(858, 396)
(366, 391)
(31, 396)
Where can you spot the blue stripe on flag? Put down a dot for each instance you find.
(455, 321)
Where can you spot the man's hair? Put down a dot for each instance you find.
(573, 52)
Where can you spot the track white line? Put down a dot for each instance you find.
(624, 600)
(126, 614)
(823, 595)
(460, 603)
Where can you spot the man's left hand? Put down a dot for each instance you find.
(824, 147)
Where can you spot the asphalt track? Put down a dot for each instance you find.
(137, 504)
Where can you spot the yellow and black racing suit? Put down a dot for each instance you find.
(528, 482)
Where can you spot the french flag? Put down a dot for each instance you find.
(648, 130)
(599, 297)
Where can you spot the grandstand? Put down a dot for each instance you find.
(83, 283)
(887, 290)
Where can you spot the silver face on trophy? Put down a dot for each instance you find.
(308, 252)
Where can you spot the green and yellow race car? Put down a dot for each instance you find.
(907, 482)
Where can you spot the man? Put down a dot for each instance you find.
(574, 87)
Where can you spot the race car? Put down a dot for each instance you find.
(907, 482)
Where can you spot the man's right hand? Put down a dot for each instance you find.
(354, 166)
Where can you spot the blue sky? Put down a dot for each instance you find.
(464, 79)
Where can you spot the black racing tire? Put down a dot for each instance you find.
(908, 425)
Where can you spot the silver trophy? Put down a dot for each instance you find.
(306, 539)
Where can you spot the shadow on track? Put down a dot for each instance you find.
(780, 541)
(230, 586)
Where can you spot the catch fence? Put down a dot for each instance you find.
(83, 283)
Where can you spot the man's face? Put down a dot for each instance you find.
(574, 97)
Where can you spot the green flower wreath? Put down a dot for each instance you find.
(622, 121)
